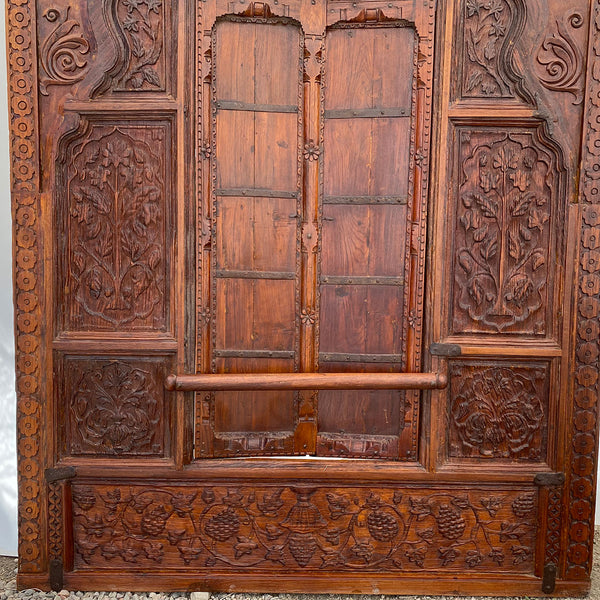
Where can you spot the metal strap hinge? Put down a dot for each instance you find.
(549, 579)
(59, 473)
(549, 479)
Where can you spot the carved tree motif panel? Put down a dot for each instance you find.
(498, 410)
(507, 207)
(305, 528)
(117, 224)
(114, 406)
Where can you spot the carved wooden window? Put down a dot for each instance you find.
(390, 207)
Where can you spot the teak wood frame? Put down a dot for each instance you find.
(54, 103)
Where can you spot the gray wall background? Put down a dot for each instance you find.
(8, 462)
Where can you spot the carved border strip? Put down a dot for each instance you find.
(27, 273)
(587, 351)
(55, 524)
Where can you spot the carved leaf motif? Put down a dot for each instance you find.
(488, 207)
(514, 246)
(489, 247)
(521, 206)
(480, 234)
(537, 219)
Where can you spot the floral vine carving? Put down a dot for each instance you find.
(305, 528)
(63, 53)
(115, 409)
(497, 412)
(562, 60)
(503, 233)
(489, 31)
(143, 24)
(117, 222)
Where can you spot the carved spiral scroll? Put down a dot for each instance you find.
(562, 60)
(63, 54)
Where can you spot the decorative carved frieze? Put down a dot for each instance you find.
(304, 528)
(25, 172)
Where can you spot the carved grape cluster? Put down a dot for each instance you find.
(451, 523)
(382, 526)
(223, 526)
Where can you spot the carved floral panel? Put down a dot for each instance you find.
(142, 25)
(490, 30)
(507, 206)
(114, 406)
(498, 410)
(118, 228)
(304, 528)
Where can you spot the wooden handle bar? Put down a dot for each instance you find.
(307, 381)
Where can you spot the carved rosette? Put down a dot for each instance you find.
(587, 348)
(503, 242)
(326, 529)
(27, 275)
(498, 412)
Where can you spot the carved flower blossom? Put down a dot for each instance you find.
(495, 7)
(311, 151)
(154, 5)
(474, 7)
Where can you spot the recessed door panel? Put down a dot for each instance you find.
(365, 269)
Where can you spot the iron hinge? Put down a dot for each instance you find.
(549, 580)
(59, 473)
(56, 573)
(549, 479)
(448, 350)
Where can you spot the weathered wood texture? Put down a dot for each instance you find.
(360, 237)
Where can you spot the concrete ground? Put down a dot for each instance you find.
(8, 566)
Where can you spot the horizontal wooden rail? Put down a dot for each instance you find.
(306, 381)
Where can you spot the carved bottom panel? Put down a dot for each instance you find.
(304, 528)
